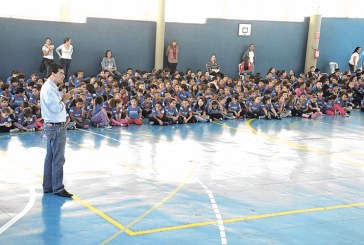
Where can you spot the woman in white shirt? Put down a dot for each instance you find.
(65, 55)
(353, 62)
(48, 59)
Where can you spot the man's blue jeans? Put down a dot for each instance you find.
(54, 160)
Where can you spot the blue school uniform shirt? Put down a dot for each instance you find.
(77, 113)
(302, 105)
(133, 112)
(18, 100)
(183, 95)
(185, 111)
(115, 112)
(328, 105)
(213, 111)
(26, 121)
(89, 97)
(154, 112)
(341, 103)
(33, 99)
(146, 105)
(97, 109)
(267, 107)
(320, 102)
(234, 106)
(5, 120)
(255, 108)
(77, 82)
(171, 111)
(199, 110)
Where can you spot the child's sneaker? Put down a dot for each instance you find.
(31, 130)
(108, 126)
(151, 123)
(165, 124)
(347, 115)
(220, 119)
(124, 125)
(14, 130)
(86, 126)
(305, 116)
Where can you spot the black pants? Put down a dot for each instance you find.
(45, 66)
(217, 116)
(66, 63)
(156, 122)
(4, 129)
(172, 67)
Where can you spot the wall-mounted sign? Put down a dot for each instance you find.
(245, 29)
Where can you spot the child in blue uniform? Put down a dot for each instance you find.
(157, 117)
(134, 113)
(78, 114)
(26, 120)
(117, 110)
(99, 114)
(215, 111)
(234, 107)
(199, 111)
(172, 111)
(185, 113)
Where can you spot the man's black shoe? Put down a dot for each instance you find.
(47, 192)
(63, 193)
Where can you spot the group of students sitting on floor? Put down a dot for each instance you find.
(163, 98)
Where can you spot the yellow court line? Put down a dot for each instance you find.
(103, 215)
(299, 146)
(254, 217)
(160, 203)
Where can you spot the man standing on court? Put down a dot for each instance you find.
(54, 114)
(250, 54)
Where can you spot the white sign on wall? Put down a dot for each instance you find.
(245, 29)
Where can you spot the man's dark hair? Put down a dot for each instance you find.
(54, 68)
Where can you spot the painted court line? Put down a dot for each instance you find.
(246, 218)
(156, 206)
(30, 204)
(220, 222)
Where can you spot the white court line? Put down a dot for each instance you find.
(20, 215)
(220, 222)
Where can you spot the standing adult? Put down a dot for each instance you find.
(48, 58)
(65, 55)
(108, 63)
(250, 55)
(54, 114)
(354, 58)
(172, 56)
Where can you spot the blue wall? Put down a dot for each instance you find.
(132, 43)
(339, 38)
(278, 44)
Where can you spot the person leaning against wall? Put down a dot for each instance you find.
(48, 59)
(108, 63)
(172, 55)
(65, 52)
(249, 53)
(354, 59)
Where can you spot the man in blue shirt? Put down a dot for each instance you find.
(54, 114)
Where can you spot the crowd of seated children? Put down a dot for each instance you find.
(164, 99)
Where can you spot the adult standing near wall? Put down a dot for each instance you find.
(354, 58)
(54, 114)
(48, 58)
(251, 55)
(108, 63)
(172, 56)
(65, 52)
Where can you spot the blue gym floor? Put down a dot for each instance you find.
(295, 181)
